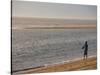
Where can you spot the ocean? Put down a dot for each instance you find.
(37, 47)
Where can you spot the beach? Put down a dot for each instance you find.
(79, 64)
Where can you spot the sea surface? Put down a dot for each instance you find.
(36, 47)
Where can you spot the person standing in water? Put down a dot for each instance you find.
(85, 47)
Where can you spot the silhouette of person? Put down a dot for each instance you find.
(85, 47)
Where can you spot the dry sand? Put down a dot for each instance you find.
(89, 64)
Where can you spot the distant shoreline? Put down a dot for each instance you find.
(85, 27)
(60, 27)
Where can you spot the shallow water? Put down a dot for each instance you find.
(36, 47)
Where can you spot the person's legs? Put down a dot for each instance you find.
(85, 54)
(84, 57)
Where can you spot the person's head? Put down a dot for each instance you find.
(85, 42)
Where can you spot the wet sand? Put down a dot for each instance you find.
(88, 64)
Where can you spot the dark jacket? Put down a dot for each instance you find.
(85, 47)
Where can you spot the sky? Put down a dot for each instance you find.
(53, 10)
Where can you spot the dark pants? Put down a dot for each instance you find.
(85, 54)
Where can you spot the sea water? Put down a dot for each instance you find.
(36, 47)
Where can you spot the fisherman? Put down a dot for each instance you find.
(85, 47)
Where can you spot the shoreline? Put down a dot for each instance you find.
(77, 27)
(74, 65)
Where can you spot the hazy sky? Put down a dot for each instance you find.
(53, 10)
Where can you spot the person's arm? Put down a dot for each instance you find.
(83, 47)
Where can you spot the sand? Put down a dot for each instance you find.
(88, 64)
